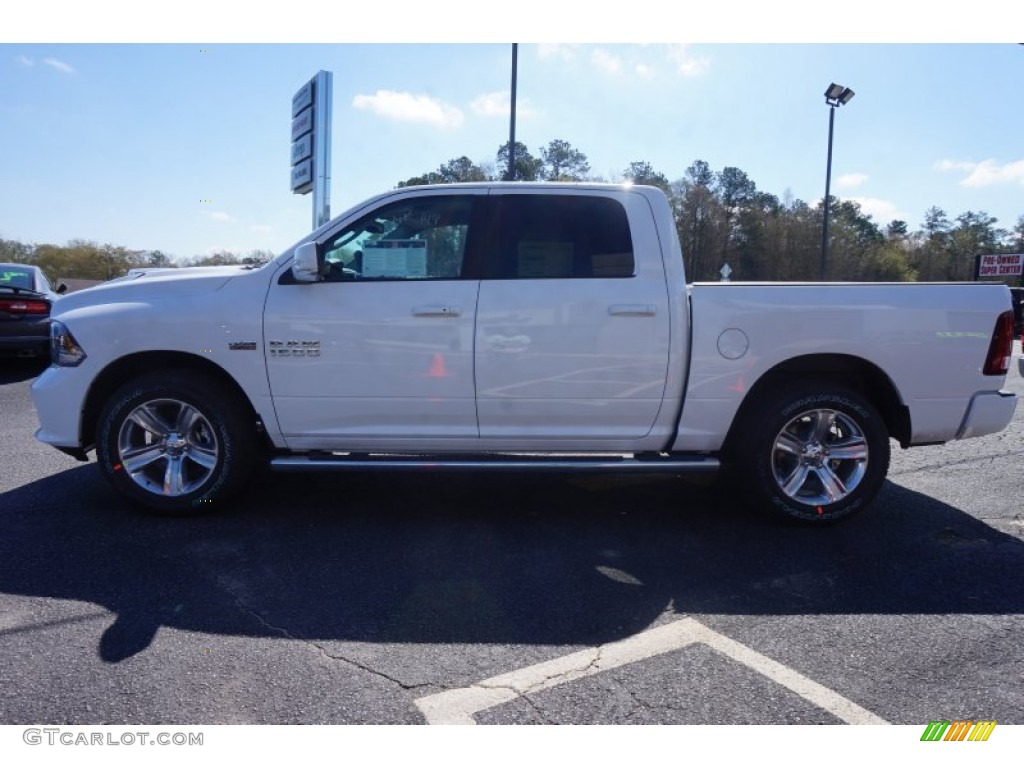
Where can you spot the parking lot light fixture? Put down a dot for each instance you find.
(835, 96)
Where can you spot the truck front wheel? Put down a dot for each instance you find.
(814, 452)
(175, 441)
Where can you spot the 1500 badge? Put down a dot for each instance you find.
(294, 348)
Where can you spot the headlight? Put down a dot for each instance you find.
(64, 348)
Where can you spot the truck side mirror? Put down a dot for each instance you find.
(305, 264)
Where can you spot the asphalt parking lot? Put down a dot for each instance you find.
(395, 599)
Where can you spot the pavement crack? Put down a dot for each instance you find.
(947, 464)
(521, 693)
(285, 633)
(370, 670)
(638, 703)
(548, 681)
(537, 710)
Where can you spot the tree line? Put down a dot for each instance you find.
(87, 260)
(721, 218)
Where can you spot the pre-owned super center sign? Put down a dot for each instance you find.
(1000, 265)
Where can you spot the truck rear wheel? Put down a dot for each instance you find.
(176, 441)
(814, 452)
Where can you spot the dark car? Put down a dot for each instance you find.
(26, 298)
(1017, 301)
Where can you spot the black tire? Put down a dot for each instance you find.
(177, 442)
(787, 449)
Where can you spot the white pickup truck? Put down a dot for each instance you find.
(519, 327)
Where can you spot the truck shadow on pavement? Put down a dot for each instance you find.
(470, 559)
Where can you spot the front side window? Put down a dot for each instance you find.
(560, 236)
(420, 238)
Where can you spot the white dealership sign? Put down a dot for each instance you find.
(302, 149)
(1000, 265)
(311, 144)
(302, 175)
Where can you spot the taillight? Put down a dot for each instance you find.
(1000, 349)
(25, 306)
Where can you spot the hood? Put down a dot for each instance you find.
(141, 285)
(162, 273)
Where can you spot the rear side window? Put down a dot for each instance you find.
(561, 236)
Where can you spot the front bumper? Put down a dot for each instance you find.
(59, 395)
(987, 413)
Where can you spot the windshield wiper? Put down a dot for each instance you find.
(19, 289)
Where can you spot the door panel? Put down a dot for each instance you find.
(380, 354)
(573, 329)
(383, 368)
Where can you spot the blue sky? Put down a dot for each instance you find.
(123, 143)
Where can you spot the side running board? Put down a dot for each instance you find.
(514, 462)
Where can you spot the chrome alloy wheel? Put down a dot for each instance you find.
(819, 457)
(167, 447)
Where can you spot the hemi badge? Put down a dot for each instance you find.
(249, 346)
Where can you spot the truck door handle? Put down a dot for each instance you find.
(436, 310)
(633, 310)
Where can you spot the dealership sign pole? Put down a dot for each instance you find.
(311, 144)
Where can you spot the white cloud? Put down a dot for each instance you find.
(25, 61)
(556, 51)
(497, 104)
(686, 63)
(220, 216)
(851, 180)
(631, 60)
(644, 71)
(493, 104)
(410, 108)
(883, 211)
(263, 229)
(953, 165)
(986, 173)
(60, 66)
(606, 61)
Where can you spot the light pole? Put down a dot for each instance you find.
(511, 174)
(835, 96)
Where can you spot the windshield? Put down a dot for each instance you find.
(18, 278)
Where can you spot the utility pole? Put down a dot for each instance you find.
(511, 174)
